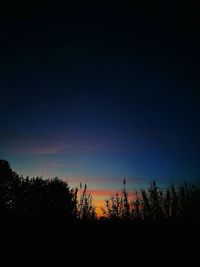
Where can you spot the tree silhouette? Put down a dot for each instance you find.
(34, 196)
(8, 179)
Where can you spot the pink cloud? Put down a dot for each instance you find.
(46, 149)
(48, 145)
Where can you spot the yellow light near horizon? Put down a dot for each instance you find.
(99, 205)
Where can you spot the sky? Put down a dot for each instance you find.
(96, 94)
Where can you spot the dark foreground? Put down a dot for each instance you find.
(51, 240)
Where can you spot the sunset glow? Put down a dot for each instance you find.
(96, 96)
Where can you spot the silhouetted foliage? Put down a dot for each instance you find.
(85, 207)
(35, 196)
(181, 202)
(8, 180)
(53, 197)
(119, 206)
(42, 197)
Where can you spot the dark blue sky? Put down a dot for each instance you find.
(96, 94)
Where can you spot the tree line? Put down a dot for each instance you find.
(53, 197)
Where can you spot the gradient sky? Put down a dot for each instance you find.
(97, 94)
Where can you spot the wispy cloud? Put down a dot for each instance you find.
(38, 145)
(46, 149)
(36, 150)
(33, 146)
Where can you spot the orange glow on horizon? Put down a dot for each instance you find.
(101, 195)
(99, 205)
(100, 192)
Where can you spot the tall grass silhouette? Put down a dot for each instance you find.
(174, 202)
